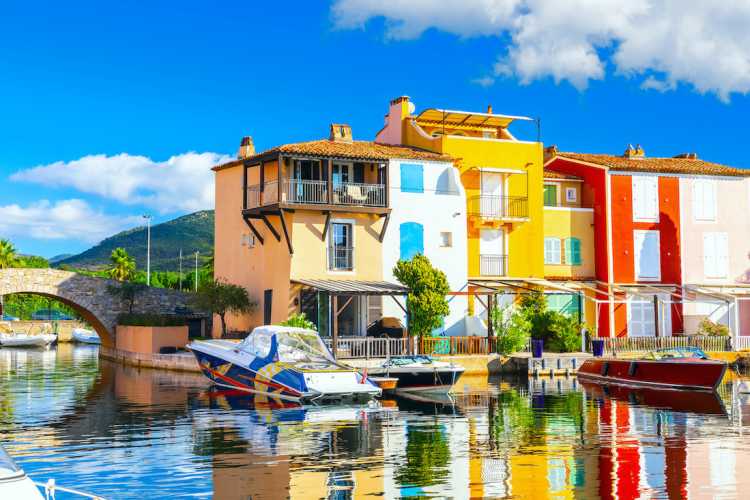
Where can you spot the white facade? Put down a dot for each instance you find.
(439, 210)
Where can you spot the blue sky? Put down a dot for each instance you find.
(106, 100)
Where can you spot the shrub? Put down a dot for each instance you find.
(711, 328)
(565, 333)
(299, 321)
(512, 329)
(147, 319)
(428, 287)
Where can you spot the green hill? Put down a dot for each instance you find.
(190, 233)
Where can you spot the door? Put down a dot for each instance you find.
(342, 173)
(492, 191)
(640, 316)
(491, 252)
(267, 306)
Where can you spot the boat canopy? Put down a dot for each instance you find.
(294, 345)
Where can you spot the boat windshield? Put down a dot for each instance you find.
(8, 467)
(409, 360)
(678, 353)
(302, 347)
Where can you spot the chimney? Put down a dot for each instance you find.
(247, 148)
(550, 152)
(489, 109)
(634, 152)
(687, 156)
(341, 132)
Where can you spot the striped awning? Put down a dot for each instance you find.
(354, 287)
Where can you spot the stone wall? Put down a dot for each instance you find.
(89, 296)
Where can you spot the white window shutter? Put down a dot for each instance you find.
(697, 199)
(709, 255)
(722, 255)
(709, 200)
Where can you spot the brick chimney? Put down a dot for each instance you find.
(341, 132)
(489, 109)
(247, 148)
(550, 152)
(634, 152)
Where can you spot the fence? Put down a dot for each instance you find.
(369, 347)
(645, 344)
(741, 343)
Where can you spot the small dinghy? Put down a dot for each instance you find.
(288, 363)
(10, 338)
(85, 336)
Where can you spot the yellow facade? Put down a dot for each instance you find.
(565, 223)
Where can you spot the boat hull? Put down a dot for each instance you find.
(425, 380)
(23, 340)
(85, 336)
(688, 374)
(687, 401)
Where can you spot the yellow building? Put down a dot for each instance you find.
(301, 227)
(502, 177)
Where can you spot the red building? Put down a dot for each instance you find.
(637, 239)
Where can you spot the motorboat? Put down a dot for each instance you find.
(419, 373)
(85, 336)
(675, 368)
(286, 362)
(11, 338)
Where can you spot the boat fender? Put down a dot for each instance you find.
(605, 369)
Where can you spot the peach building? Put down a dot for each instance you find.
(317, 226)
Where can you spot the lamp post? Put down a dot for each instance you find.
(196, 270)
(148, 249)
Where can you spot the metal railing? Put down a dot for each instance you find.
(741, 343)
(303, 191)
(646, 344)
(340, 258)
(369, 347)
(499, 207)
(493, 265)
(352, 193)
(252, 196)
(457, 345)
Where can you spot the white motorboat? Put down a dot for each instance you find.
(26, 340)
(288, 363)
(419, 373)
(85, 336)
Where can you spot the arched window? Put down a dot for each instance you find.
(411, 240)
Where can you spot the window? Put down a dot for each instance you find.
(550, 195)
(446, 239)
(704, 199)
(341, 247)
(715, 255)
(411, 240)
(645, 198)
(641, 321)
(573, 251)
(646, 251)
(571, 195)
(412, 178)
(552, 250)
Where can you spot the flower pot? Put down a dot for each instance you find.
(537, 347)
(597, 348)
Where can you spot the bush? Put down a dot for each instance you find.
(559, 332)
(146, 319)
(512, 329)
(710, 328)
(299, 321)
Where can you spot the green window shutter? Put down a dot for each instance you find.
(573, 251)
(550, 195)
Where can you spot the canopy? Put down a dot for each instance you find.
(354, 287)
(468, 119)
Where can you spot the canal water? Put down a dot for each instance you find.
(123, 432)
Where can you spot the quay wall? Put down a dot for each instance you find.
(184, 362)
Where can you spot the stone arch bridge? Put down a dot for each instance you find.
(89, 296)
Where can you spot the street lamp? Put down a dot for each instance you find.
(148, 249)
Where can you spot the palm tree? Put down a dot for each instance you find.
(123, 265)
(7, 254)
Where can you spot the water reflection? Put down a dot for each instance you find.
(127, 432)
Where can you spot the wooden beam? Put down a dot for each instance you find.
(327, 225)
(329, 180)
(253, 229)
(385, 226)
(399, 304)
(262, 181)
(286, 232)
(348, 301)
(270, 227)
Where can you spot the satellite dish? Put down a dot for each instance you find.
(412, 108)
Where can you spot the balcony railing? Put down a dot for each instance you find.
(340, 258)
(499, 207)
(493, 265)
(306, 192)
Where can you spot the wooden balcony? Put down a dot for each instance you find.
(307, 192)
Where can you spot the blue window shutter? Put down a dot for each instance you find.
(412, 178)
(412, 240)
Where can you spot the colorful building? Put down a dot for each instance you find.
(316, 227)
(502, 178)
(642, 237)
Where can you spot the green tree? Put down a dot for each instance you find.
(220, 297)
(123, 265)
(8, 255)
(512, 329)
(299, 321)
(32, 261)
(428, 287)
(127, 292)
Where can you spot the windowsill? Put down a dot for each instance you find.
(646, 220)
(639, 278)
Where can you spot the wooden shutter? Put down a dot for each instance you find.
(646, 250)
(573, 251)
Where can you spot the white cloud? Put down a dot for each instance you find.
(485, 81)
(662, 42)
(184, 182)
(65, 219)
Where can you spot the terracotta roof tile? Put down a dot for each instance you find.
(551, 174)
(658, 165)
(356, 150)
